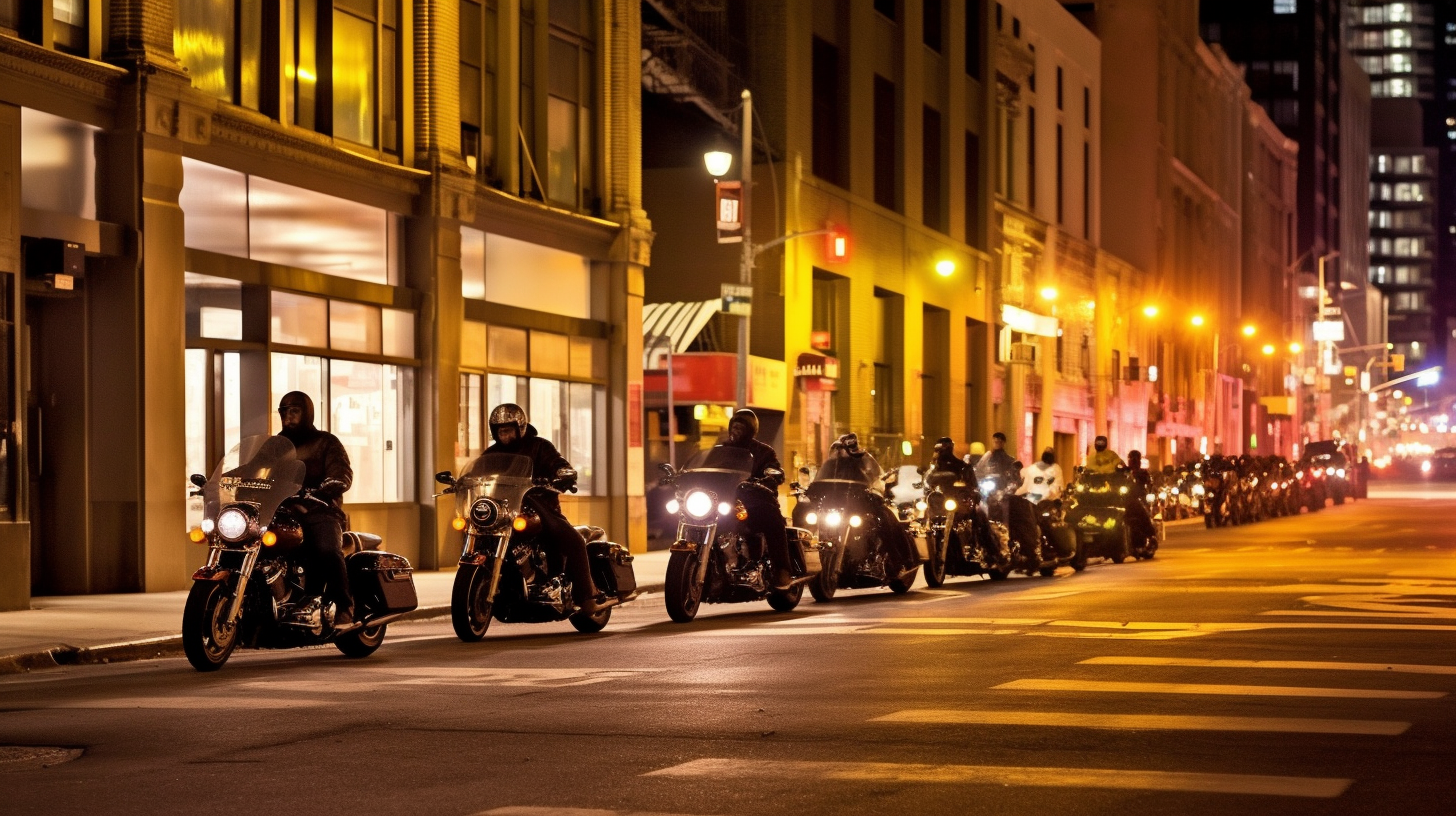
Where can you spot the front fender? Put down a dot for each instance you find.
(218, 575)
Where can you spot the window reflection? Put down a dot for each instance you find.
(353, 78)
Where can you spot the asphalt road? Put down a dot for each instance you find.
(1295, 666)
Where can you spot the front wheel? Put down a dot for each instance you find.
(362, 642)
(788, 599)
(1123, 547)
(208, 637)
(470, 609)
(935, 565)
(591, 624)
(999, 574)
(682, 593)
(826, 582)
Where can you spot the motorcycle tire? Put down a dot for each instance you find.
(205, 641)
(1047, 572)
(1208, 521)
(470, 613)
(1079, 559)
(362, 642)
(900, 586)
(999, 574)
(788, 599)
(1124, 545)
(935, 567)
(591, 624)
(1339, 498)
(826, 583)
(681, 592)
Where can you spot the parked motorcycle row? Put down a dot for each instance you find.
(847, 531)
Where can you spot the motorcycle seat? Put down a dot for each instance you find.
(359, 542)
(591, 533)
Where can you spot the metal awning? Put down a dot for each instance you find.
(680, 322)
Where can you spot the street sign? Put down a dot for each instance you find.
(737, 299)
(729, 209)
(1329, 331)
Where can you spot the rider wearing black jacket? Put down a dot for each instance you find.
(764, 515)
(897, 541)
(513, 434)
(327, 477)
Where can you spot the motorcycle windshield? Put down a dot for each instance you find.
(260, 471)
(858, 470)
(717, 470)
(1104, 489)
(502, 477)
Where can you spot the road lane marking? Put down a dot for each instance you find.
(567, 811)
(1147, 722)
(492, 676)
(1380, 605)
(1194, 662)
(193, 703)
(1215, 688)
(882, 772)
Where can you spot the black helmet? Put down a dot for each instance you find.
(507, 413)
(747, 418)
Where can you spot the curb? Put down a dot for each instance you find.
(167, 646)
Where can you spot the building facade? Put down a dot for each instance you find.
(408, 210)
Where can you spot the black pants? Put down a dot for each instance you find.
(1021, 521)
(895, 535)
(323, 557)
(557, 532)
(1139, 521)
(766, 519)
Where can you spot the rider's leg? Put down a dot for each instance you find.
(323, 538)
(557, 530)
(767, 519)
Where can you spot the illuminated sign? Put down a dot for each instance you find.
(1028, 322)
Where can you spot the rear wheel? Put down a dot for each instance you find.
(470, 609)
(788, 599)
(362, 642)
(682, 592)
(207, 637)
(591, 624)
(900, 586)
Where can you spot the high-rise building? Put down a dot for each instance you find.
(1395, 43)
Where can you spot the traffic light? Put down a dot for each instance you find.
(836, 244)
(1397, 362)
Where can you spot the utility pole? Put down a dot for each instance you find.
(745, 272)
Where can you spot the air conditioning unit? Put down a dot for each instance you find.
(1023, 353)
(1134, 371)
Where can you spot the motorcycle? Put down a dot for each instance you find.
(253, 591)
(839, 506)
(711, 560)
(1096, 513)
(957, 533)
(505, 572)
(1051, 546)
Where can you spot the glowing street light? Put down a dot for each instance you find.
(1150, 311)
(1196, 320)
(945, 268)
(1249, 330)
(718, 163)
(1268, 349)
(1295, 348)
(1049, 293)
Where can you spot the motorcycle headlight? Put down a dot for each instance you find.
(1122, 491)
(988, 486)
(1299, 474)
(485, 513)
(1319, 471)
(1151, 497)
(855, 521)
(1426, 466)
(950, 505)
(832, 518)
(699, 504)
(811, 518)
(921, 505)
(208, 526)
(1198, 490)
(232, 524)
(674, 506)
(724, 508)
(1340, 472)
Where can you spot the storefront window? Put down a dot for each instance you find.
(57, 164)
(353, 78)
(194, 408)
(354, 327)
(470, 440)
(300, 320)
(564, 413)
(214, 307)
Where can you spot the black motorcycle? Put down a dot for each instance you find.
(712, 560)
(505, 571)
(1048, 548)
(959, 537)
(840, 506)
(1097, 515)
(253, 592)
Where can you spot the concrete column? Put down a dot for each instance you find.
(14, 535)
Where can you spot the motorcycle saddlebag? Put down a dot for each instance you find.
(611, 568)
(803, 551)
(382, 582)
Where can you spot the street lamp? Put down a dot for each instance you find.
(719, 162)
(945, 268)
(1196, 320)
(1268, 349)
(1150, 311)
(1049, 293)
(1295, 348)
(1249, 330)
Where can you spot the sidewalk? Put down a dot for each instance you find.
(71, 629)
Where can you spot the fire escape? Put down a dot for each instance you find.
(690, 53)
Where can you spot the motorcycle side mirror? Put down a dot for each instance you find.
(773, 472)
(197, 479)
(666, 469)
(445, 477)
(804, 471)
(794, 486)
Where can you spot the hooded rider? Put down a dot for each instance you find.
(897, 536)
(945, 467)
(513, 434)
(328, 476)
(764, 515)
(1103, 461)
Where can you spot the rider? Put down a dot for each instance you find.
(1103, 462)
(899, 544)
(946, 464)
(764, 515)
(327, 477)
(1106, 463)
(1044, 479)
(513, 434)
(996, 461)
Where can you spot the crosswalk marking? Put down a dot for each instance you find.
(1213, 688)
(1196, 662)
(883, 772)
(251, 702)
(1147, 722)
(567, 811)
